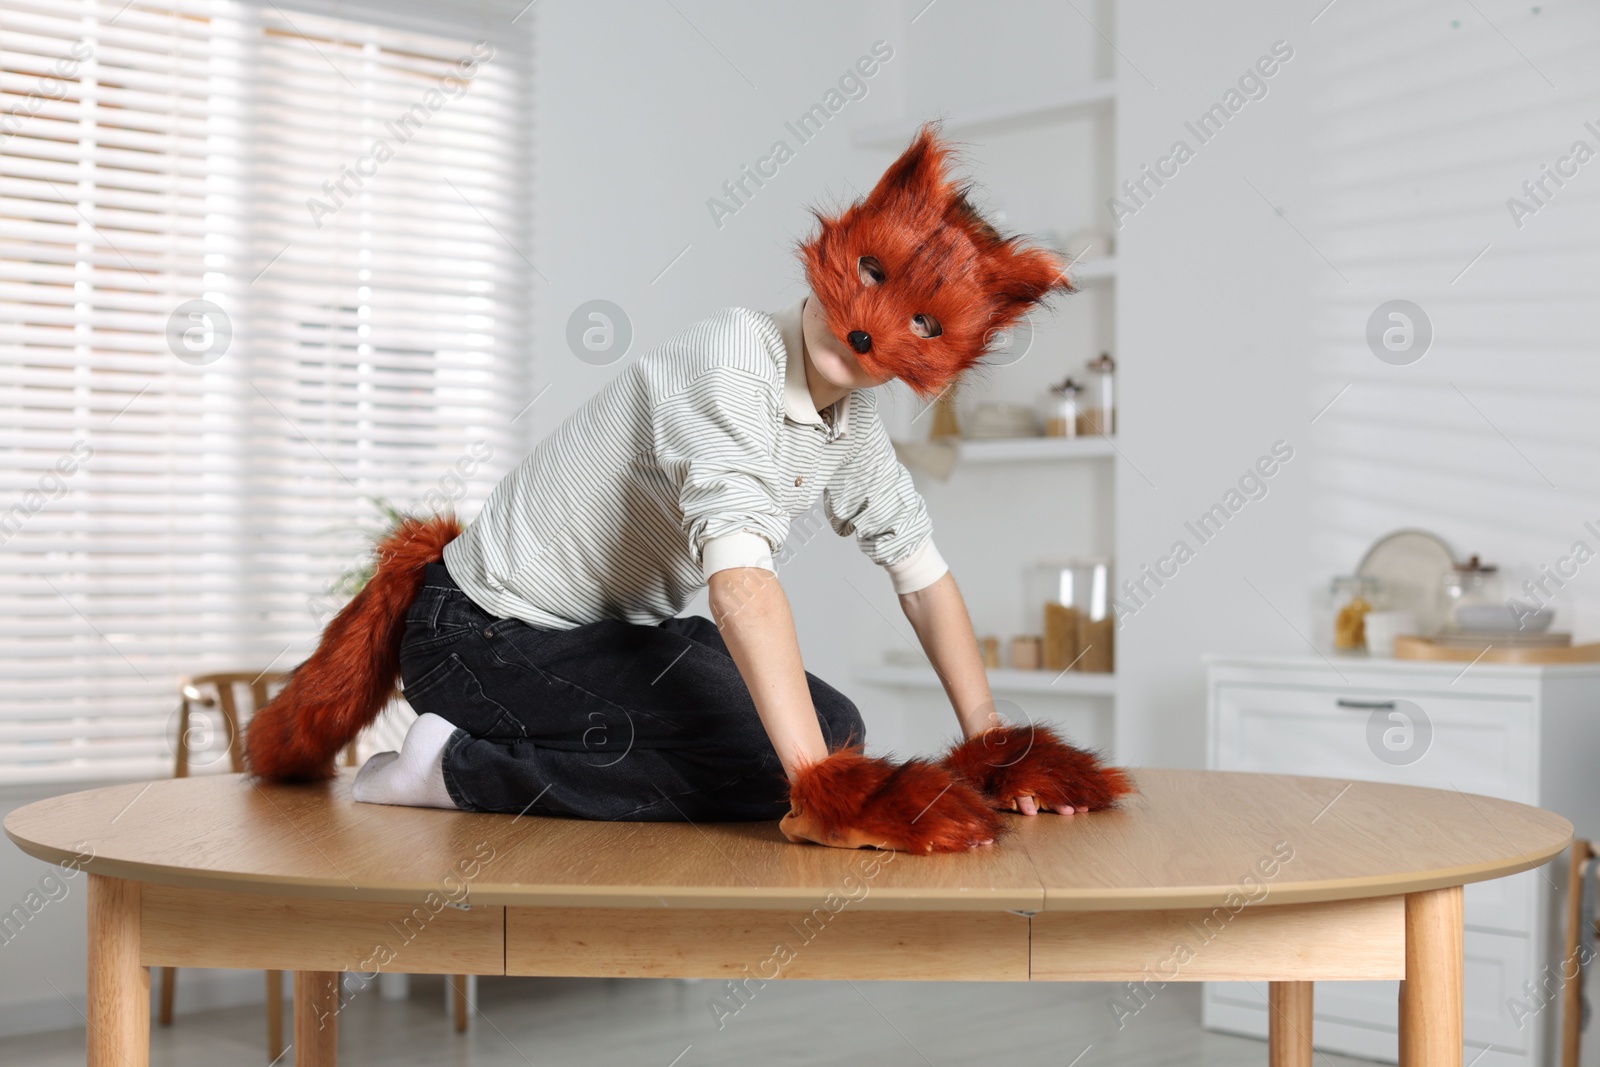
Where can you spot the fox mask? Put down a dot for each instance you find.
(915, 280)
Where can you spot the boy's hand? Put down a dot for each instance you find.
(1029, 806)
(1024, 768)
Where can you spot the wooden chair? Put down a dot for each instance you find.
(222, 692)
(1572, 989)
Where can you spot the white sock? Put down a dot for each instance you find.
(414, 776)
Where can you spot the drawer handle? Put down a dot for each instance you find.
(1367, 705)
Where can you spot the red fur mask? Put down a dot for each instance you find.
(915, 281)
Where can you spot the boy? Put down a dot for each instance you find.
(542, 648)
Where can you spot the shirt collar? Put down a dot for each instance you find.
(797, 403)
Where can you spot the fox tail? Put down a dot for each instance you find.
(346, 682)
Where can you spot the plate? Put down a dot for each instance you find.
(1412, 565)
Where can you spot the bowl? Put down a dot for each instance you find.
(1500, 618)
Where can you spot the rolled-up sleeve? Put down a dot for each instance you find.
(872, 496)
(717, 439)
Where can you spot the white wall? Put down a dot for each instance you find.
(1427, 120)
(48, 943)
(1213, 309)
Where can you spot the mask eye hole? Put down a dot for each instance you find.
(870, 271)
(926, 326)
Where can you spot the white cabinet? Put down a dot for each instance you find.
(1530, 734)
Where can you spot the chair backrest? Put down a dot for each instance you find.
(236, 696)
(221, 692)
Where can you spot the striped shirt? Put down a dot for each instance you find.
(696, 458)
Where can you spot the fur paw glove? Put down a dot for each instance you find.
(1008, 762)
(850, 800)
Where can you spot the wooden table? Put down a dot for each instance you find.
(1202, 875)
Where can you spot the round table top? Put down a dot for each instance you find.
(1186, 839)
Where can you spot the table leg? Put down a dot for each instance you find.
(458, 982)
(118, 1019)
(1572, 985)
(1430, 996)
(1289, 1024)
(274, 1016)
(169, 988)
(316, 1018)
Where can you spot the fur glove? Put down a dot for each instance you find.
(1008, 762)
(851, 800)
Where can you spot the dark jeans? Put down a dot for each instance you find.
(610, 720)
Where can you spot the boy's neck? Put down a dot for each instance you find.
(823, 392)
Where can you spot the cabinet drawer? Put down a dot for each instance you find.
(1476, 745)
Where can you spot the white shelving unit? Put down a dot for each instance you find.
(1083, 704)
(1026, 449)
(1091, 100)
(1031, 449)
(1103, 268)
(1053, 683)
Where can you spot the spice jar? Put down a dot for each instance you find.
(1025, 652)
(1098, 407)
(1351, 597)
(1061, 410)
(1470, 585)
(990, 649)
(946, 422)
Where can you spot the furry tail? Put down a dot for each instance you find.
(333, 695)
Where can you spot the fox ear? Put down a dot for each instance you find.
(918, 173)
(1021, 277)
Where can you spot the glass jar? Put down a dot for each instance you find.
(1061, 409)
(1098, 409)
(1071, 599)
(1470, 585)
(1350, 597)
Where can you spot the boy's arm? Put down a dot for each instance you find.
(939, 615)
(844, 799)
(752, 612)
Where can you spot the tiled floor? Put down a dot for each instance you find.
(629, 1023)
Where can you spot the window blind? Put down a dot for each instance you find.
(258, 265)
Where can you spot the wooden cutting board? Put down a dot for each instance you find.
(1410, 647)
